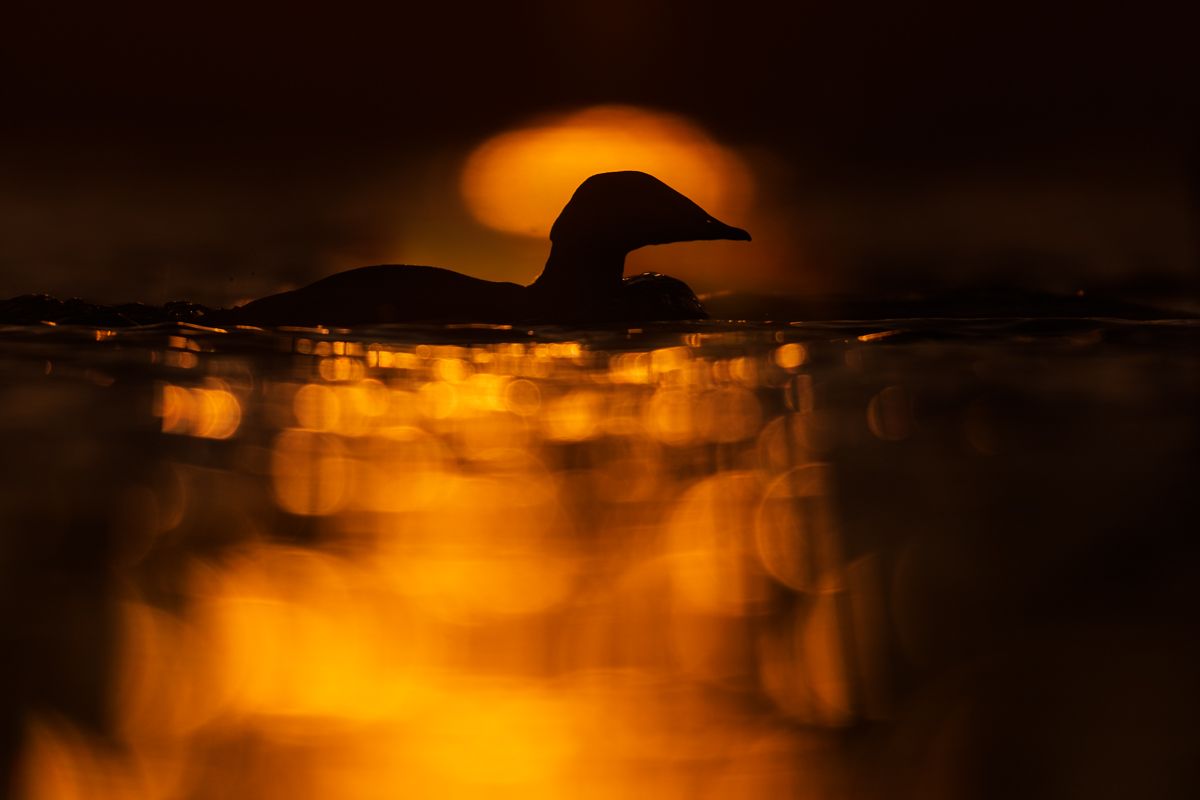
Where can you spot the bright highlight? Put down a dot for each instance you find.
(518, 181)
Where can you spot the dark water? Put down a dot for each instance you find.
(909, 558)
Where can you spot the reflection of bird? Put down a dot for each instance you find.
(609, 215)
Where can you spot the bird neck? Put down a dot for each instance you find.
(580, 272)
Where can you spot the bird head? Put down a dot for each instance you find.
(628, 210)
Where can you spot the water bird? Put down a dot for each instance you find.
(608, 216)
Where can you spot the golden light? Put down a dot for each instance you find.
(498, 738)
(790, 356)
(796, 538)
(710, 535)
(212, 412)
(574, 417)
(519, 180)
(59, 762)
(536, 570)
(310, 471)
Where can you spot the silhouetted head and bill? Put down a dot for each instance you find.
(628, 210)
(609, 215)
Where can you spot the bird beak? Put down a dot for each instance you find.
(715, 229)
(737, 234)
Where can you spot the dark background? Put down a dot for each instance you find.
(214, 152)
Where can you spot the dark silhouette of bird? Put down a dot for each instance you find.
(610, 215)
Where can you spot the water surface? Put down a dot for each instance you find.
(900, 558)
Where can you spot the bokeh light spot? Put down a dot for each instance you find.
(889, 414)
(310, 472)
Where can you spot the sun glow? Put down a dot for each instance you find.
(519, 180)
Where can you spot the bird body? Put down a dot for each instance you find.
(392, 293)
(609, 215)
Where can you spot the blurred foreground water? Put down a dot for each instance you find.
(926, 559)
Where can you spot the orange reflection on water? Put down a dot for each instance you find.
(502, 570)
(209, 412)
(60, 762)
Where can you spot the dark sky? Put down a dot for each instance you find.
(215, 151)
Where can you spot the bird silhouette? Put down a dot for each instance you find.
(609, 215)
